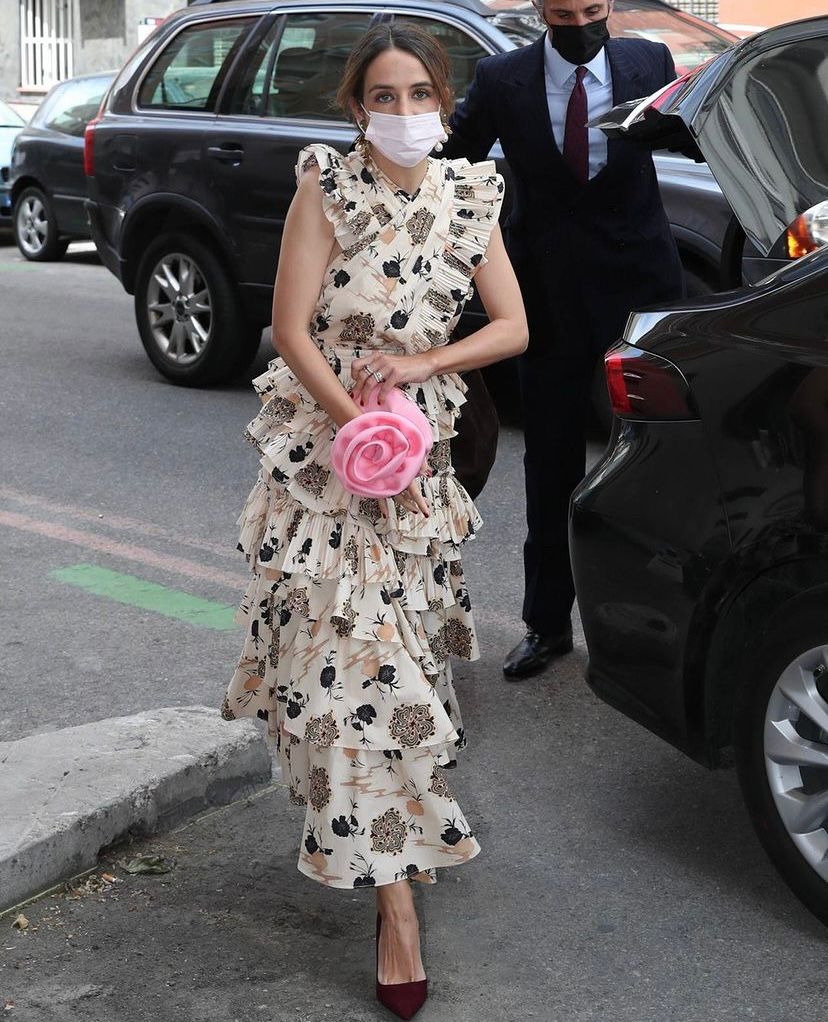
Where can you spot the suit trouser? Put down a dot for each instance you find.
(556, 391)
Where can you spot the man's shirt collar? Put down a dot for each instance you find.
(560, 71)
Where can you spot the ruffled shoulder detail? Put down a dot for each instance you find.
(475, 205)
(344, 199)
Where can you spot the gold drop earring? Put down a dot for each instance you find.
(361, 145)
(439, 147)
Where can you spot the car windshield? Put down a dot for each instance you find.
(8, 118)
(691, 40)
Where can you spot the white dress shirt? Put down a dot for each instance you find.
(560, 80)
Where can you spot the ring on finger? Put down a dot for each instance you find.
(378, 376)
(367, 369)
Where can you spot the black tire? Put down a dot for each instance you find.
(231, 342)
(798, 628)
(37, 245)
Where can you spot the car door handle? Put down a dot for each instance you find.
(226, 153)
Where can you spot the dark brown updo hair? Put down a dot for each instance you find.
(396, 36)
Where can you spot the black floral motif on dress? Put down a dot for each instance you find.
(438, 785)
(351, 555)
(279, 410)
(411, 725)
(369, 507)
(313, 477)
(322, 731)
(419, 225)
(357, 329)
(382, 214)
(319, 788)
(295, 522)
(439, 458)
(392, 267)
(388, 832)
(344, 623)
(453, 638)
(297, 599)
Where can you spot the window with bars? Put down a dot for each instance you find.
(708, 9)
(46, 32)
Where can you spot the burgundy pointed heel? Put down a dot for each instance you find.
(404, 999)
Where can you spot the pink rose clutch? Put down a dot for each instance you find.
(379, 453)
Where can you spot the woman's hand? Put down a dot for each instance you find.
(393, 369)
(412, 499)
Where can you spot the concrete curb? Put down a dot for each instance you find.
(65, 795)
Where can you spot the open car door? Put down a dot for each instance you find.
(759, 115)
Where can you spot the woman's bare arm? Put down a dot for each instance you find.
(506, 333)
(307, 244)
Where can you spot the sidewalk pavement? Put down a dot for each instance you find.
(67, 794)
(618, 882)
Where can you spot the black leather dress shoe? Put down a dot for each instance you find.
(534, 652)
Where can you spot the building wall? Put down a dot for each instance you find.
(768, 12)
(9, 49)
(108, 30)
(106, 33)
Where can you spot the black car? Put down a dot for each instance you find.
(700, 540)
(192, 161)
(47, 180)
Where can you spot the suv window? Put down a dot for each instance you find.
(73, 105)
(189, 72)
(308, 65)
(463, 51)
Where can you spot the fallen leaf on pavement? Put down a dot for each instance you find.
(147, 864)
(21, 923)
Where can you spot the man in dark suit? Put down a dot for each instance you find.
(589, 240)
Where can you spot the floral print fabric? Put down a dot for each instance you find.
(355, 606)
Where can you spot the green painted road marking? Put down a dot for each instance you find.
(138, 592)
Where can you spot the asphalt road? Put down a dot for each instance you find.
(618, 881)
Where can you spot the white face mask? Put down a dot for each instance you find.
(405, 139)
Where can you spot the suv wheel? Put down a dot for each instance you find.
(35, 227)
(782, 749)
(189, 314)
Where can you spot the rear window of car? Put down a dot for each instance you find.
(189, 72)
(71, 106)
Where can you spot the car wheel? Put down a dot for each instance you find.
(35, 227)
(781, 737)
(189, 314)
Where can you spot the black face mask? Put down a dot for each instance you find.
(580, 43)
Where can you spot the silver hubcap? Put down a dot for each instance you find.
(179, 307)
(32, 225)
(796, 754)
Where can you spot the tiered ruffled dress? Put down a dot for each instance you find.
(356, 605)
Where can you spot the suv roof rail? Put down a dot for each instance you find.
(470, 5)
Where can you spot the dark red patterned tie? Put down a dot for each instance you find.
(576, 134)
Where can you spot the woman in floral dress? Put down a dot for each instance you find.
(356, 604)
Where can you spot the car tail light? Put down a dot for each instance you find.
(645, 386)
(808, 232)
(89, 147)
